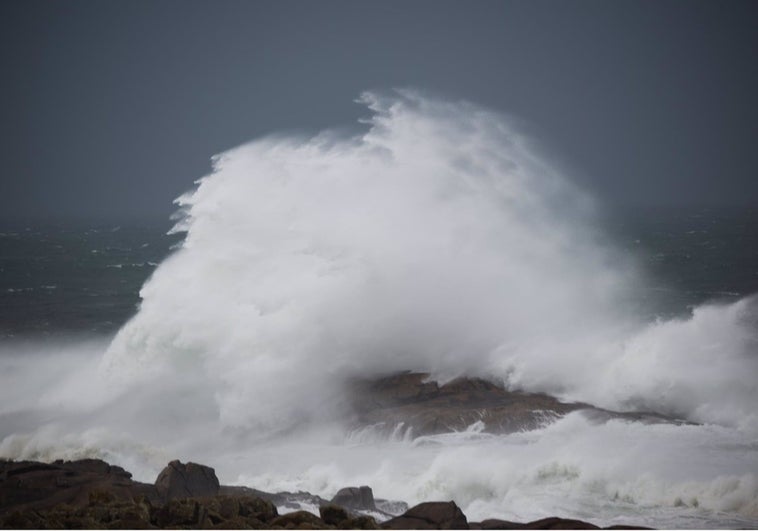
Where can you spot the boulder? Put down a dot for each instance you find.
(178, 480)
(494, 523)
(558, 523)
(332, 514)
(239, 508)
(359, 522)
(298, 520)
(544, 523)
(359, 498)
(430, 515)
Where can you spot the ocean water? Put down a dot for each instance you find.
(440, 239)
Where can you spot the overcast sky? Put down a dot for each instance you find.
(111, 109)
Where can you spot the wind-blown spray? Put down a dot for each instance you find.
(437, 240)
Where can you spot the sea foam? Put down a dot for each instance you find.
(439, 239)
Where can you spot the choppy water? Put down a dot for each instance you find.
(67, 278)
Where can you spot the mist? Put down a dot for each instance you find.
(440, 239)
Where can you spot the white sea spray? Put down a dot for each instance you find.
(440, 240)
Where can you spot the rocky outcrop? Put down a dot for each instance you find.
(32, 485)
(545, 523)
(332, 514)
(178, 480)
(91, 494)
(431, 515)
(410, 401)
(360, 498)
(427, 408)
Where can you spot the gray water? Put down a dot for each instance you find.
(69, 278)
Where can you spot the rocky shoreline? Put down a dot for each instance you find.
(91, 494)
(410, 402)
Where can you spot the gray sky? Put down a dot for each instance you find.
(111, 109)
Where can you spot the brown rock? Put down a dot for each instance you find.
(409, 400)
(332, 514)
(30, 485)
(257, 508)
(359, 522)
(430, 515)
(298, 520)
(558, 523)
(180, 513)
(360, 498)
(493, 523)
(178, 480)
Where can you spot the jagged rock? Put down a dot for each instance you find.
(258, 508)
(408, 401)
(427, 408)
(332, 514)
(179, 513)
(92, 494)
(30, 485)
(494, 523)
(558, 523)
(360, 498)
(430, 515)
(544, 523)
(359, 522)
(298, 520)
(178, 480)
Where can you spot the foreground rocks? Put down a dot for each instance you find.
(408, 401)
(186, 481)
(91, 494)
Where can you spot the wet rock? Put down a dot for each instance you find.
(430, 515)
(409, 402)
(359, 498)
(359, 522)
(332, 514)
(92, 494)
(544, 523)
(180, 513)
(257, 508)
(298, 520)
(426, 408)
(558, 523)
(30, 485)
(178, 480)
(493, 523)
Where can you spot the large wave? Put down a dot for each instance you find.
(439, 239)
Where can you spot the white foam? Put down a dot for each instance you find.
(438, 240)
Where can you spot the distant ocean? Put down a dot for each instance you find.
(440, 241)
(70, 278)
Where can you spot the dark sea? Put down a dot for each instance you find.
(75, 278)
(82, 279)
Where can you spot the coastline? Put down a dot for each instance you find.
(91, 493)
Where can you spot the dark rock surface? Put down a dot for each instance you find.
(178, 480)
(332, 514)
(361, 498)
(430, 515)
(544, 523)
(91, 494)
(428, 408)
(33, 485)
